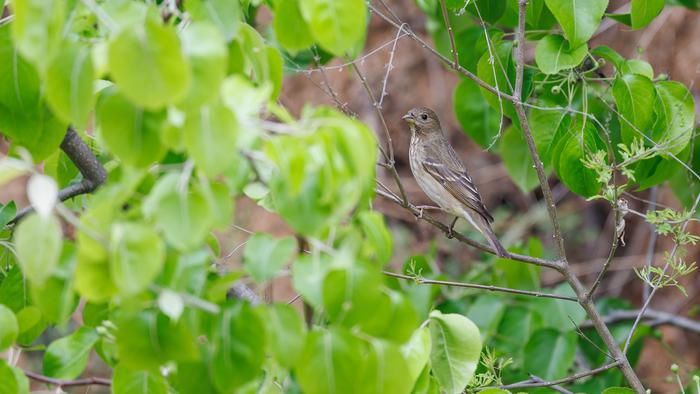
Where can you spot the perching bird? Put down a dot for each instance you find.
(443, 177)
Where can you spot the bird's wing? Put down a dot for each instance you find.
(449, 171)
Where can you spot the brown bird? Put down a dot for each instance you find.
(443, 177)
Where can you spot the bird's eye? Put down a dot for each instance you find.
(424, 117)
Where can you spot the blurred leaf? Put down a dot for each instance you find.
(339, 26)
(127, 381)
(129, 132)
(609, 54)
(69, 84)
(184, 218)
(486, 312)
(417, 353)
(544, 125)
(148, 339)
(37, 28)
(385, 369)
(517, 160)
(488, 10)
(286, 333)
(38, 263)
(226, 15)
(550, 353)
(476, 117)
(636, 66)
(239, 352)
(205, 49)
(330, 352)
(9, 328)
(12, 379)
(7, 213)
(515, 329)
(265, 255)
(67, 357)
(148, 65)
(560, 314)
(210, 138)
(573, 142)
(290, 28)
(553, 54)
(644, 11)
(618, 390)
(456, 347)
(578, 19)
(378, 242)
(136, 256)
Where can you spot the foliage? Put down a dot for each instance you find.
(178, 101)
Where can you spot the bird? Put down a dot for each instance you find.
(443, 177)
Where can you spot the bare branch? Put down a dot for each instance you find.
(94, 174)
(68, 383)
(657, 318)
(423, 281)
(554, 387)
(531, 383)
(450, 33)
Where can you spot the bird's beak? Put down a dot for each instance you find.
(408, 118)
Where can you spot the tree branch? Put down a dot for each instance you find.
(450, 33)
(423, 281)
(94, 174)
(657, 318)
(68, 383)
(531, 383)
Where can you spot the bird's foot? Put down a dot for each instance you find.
(422, 208)
(451, 229)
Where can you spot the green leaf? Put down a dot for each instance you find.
(265, 255)
(67, 357)
(456, 346)
(578, 19)
(618, 390)
(516, 327)
(476, 117)
(31, 325)
(608, 54)
(7, 213)
(56, 297)
(291, 30)
(569, 147)
(148, 65)
(550, 353)
(37, 29)
(486, 69)
(9, 328)
(625, 19)
(226, 15)
(350, 293)
(634, 96)
(385, 369)
(69, 81)
(675, 111)
(636, 66)
(129, 132)
(210, 138)
(517, 160)
(553, 54)
(544, 125)
(339, 26)
(239, 352)
(489, 10)
(286, 333)
(127, 381)
(644, 11)
(205, 49)
(378, 243)
(148, 339)
(395, 318)
(12, 379)
(329, 362)
(184, 218)
(136, 256)
(417, 353)
(560, 314)
(38, 263)
(486, 311)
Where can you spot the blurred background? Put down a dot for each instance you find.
(418, 78)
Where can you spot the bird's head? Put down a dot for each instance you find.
(422, 120)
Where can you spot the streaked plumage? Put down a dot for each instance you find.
(443, 177)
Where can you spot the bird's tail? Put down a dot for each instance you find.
(485, 228)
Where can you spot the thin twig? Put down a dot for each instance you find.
(531, 383)
(554, 387)
(423, 281)
(68, 383)
(657, 318)
(615, 241)
(390, 158)
(94, 174)
(453, 47)
(651, 247)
